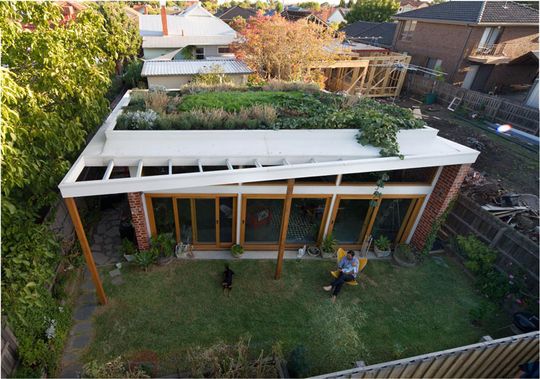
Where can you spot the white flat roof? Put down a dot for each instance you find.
(269, 154)
(193, 67)
(175, 42)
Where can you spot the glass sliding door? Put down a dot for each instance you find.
(392, 217)
(184, 220)
(262, 221)
(205, 221)
(227, 219)
(350, 220)
(163, 215)
(306, 220)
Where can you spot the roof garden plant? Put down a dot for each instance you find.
(272, 108)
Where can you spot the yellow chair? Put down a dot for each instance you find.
(362, 261)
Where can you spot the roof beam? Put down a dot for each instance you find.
(312, 160)
(286, 162)
(199, 163)
(229, 164)
(257, 163)
(169, 163)
(139, 168)
(108, 171)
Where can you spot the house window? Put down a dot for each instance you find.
(199, 53)
(224, 50)
(408, 30)
(434, 64)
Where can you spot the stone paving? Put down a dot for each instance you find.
(106, 242)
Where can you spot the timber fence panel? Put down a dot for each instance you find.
(494, 108)
(495, 358)
(9, 350)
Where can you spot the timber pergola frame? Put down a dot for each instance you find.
(245, 156)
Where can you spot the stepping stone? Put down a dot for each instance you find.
(87, 298)
(84, 312)
(81, 341)
(101, 258)
(81, 328)
(114, 273)
(117, 281)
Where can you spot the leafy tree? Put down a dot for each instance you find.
(312, 5)
(54, 79)
(279, 7)
(373, 10)
(342, 4)
(261, 5)
(350, 4)
(285, 50)
(210, 5)
(238, 23)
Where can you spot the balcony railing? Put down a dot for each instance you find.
(490, 50)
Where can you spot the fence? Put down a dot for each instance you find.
(9, 350)
(515, 250)
(492, 108)
(492, 359)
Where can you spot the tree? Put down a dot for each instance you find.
(312, 5)
(373, 10)
(350, 4)
(261, 5)
(342, 4)
(279, 7)
(238, 23)
(210, 5)
(285, 50)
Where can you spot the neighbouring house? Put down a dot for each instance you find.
(70, 9)
(325, 17)
(231, 13)
(372, 33)
(489, 46)
(332, 15)
(411, 5)
(177, 73)
(267, 189)
(194, 33)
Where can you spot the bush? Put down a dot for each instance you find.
(479, 257)
(117, 368)
(128, 247)
(164, 243)
(156, 100)
(132, 73)
(382, 243)
(145, 258)
(213, 75)
(279, 85)
(138, 120)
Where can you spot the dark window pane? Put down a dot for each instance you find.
(155, 170)
(226, 218)
(390, 217)
(263, 220)
(206, 220)
(331, 179)
(305, 220)
(350, 220)
(163, 214)
(413, 175)
(184, 219)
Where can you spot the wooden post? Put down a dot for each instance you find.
(284, 227)
(74, 214)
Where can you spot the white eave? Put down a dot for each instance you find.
(266, 154)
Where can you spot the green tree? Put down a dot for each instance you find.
(279, 7)
(342, 4)
(373, 10)
(350, 4)
(313, 5)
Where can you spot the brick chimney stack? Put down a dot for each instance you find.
(164, 21)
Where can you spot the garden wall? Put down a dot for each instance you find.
(493, 108)
(515, 250)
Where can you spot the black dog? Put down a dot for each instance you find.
(227, 280)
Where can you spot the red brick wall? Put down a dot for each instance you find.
(446, 188)
(139, 222)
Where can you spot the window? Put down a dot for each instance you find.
(199, 53)
(433, 64)
(305, 220)
(224, 50)
(411, 175)
(263, 220)
(407, 30)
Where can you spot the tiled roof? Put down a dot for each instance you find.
(378, 33)
(236, 11)
(475, 12)
(193, 67)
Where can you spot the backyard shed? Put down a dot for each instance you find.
(175, 74)
(267, 189)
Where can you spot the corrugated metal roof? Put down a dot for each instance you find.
(193, 67)
(172, 42)
(194, 21)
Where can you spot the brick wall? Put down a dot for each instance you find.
(139, 222)
(446, 188)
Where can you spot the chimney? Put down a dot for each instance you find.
(164, 21)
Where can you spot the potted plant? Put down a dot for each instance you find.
(382, 247)
(128, 249)
(145, 258)
(404, 255)
(237, 250)
(164, 245)
(328, 247)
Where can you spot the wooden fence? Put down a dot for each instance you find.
(9, 350)
(493, 108)
(515, 249)
(492, 359)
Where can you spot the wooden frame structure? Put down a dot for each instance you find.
(370, 76)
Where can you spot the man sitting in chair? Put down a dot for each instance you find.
(348, 269)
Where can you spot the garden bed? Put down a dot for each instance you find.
(394, 313)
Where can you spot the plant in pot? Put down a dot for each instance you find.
(404, 255)
(145, 258)
(328, 247)
(164, 245)
(128, 249)
(237, 250)
(382, 246)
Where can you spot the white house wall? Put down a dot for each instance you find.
(209, 51)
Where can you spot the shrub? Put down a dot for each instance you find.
(382, 243)
(157, 101)
(479, 257)
(213, 75)
(138, 120)
(132, 73)
(280, 85)
(164, 244)
(128, 247)
(117, 368)
(145, 258)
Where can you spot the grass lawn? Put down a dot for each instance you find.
(394, 313)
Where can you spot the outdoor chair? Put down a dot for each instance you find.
(362, 259)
